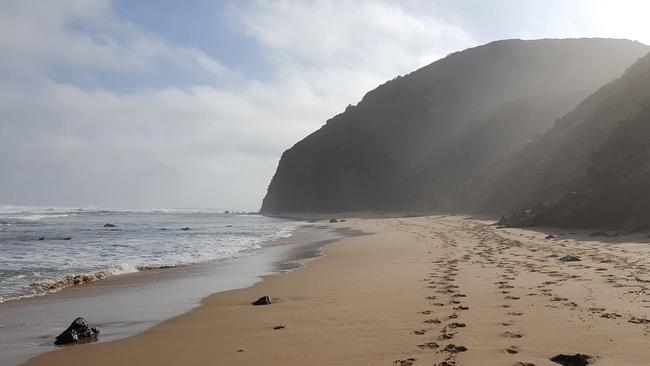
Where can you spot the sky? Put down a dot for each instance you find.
(190, 104)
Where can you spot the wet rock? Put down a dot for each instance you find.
(67, 238)
(41, 238)
(550, 236)
(109, 225)
(333, 221)
(228, 225)
(264, 300)
(570, 258)
(572, 360)
(186, 228)
(78, 332)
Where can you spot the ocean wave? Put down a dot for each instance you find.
(34, 217)
(36, 267)
(40, 288)
(48, 210)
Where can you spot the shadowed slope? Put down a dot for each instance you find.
(413, 142)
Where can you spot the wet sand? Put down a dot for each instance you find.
(422, 291)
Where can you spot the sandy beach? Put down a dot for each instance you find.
(439, 290)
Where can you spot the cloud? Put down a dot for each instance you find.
(38, 38)
(204, 145)
(382, 35)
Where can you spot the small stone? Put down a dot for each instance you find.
(572, 360)
(570, 258)
(264, 300)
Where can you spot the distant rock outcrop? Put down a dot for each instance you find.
(437, 139)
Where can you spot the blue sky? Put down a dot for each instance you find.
(164, 103)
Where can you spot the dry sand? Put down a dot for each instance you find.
(424, 288)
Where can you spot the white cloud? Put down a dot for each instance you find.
(37, 36)
(198, 146)
(384, 36)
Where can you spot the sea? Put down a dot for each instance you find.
(46, 249)
(127, 270)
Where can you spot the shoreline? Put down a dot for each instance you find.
(127, 304)
(416, 291)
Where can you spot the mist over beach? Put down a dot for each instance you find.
(325, 182)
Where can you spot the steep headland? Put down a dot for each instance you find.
(419, 141)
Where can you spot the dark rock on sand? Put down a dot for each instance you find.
(333, 221)
(551, 236)
(78, 332)
(570, 258)
(109, 225)
(186, 229)
(278, 327)
(572, 360)
(264, 300)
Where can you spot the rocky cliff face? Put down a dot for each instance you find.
(558, 161)
(419, 141)
(592, 168)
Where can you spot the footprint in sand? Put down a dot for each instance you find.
(428, 345)
(452, 348)
(446, 336)
(513, 350)
(512, 335)
(407, 362)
